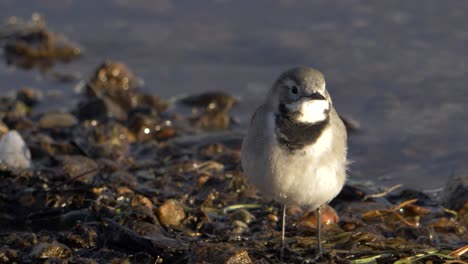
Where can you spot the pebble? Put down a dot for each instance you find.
(14, 153)
(29, 96)
(51, 250)
(171, 213)
(57, 120)
(219, 253)
(76, 165)
(308, 221)
(243, 216)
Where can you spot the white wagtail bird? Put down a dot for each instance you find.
(295, 147)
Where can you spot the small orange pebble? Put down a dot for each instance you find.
(171, 213)
(349, 224)
(166, 133)
(308, 221)
(273, 218)
(202, 179)
(145, 201)
(124, 189)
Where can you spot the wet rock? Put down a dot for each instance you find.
(51, 250)
(213, 120)
(219, 253)
(115, 86)
(211, 110)
(111, 76)
(18, 240)
(100, 109)
(29, 96)
(8, 255)
(76, 165)
(455, 194)
(308, 221)
(147, 127)
(13, 108)
(14, 152)
(111, 140)
(30, 43)
(82, 236)
(19, 122)
(152, 101)
(171, 213)
(57, 120)
(43, 146)
(123, 237)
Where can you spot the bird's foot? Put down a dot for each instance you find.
(284, 252)
(318, 258)
(319, 253)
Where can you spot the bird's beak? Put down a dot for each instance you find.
(315, 96)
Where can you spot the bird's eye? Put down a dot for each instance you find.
(294, 90)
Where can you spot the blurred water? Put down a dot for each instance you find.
(398, 67)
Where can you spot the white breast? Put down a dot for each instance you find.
(307, 176)
(311, 176)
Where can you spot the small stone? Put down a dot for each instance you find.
(273, 218)
(51, 250)
(239, 227)
(124, 190)
(14, 153)
(76, 165)
(309, 219)
(57, 120)
(202, 179)
(145, 202)
(29, 96)
(111, 76)
(219, 253)
(243, 215)
(146, 127)
(171, 213)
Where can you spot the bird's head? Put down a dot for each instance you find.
(300, 95)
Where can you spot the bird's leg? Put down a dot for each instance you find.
(283, 228)
(319, 252)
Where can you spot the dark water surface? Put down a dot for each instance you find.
(400, 68)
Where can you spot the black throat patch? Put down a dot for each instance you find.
(294, 135)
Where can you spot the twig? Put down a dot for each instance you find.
(459, 252)
(403, 204)
(387, 191)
